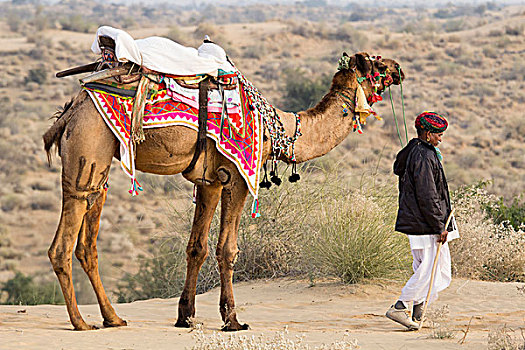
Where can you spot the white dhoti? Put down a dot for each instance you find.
(424, 248)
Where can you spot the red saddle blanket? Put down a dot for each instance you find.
(239, 139)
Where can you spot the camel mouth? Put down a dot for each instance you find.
(398, 76)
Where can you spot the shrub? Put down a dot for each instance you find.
(23, 290)
(302, 91)
(454, 25)
(14, 22)
(11, 202)
(5, 239)
(447, 68)
(512, 215)
(76, 23)
(352, 37)
(205, 29)
(176, 35)
(514, 30)
(354, 238)
(486, 250)
(503, 339)
(255, 51)
(44, 201)
(37, 75)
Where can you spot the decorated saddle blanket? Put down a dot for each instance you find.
(238, 136)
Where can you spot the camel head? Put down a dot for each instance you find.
(373, 73)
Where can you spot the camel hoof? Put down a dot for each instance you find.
(86, 327)
(118, 323)
(183, 323)
(235, 327)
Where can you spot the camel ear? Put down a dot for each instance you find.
(345, 54)
(363, 63)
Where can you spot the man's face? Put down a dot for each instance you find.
(435, 138)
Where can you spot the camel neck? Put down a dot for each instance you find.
(324, 126)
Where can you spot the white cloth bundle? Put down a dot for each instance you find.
(164, 55)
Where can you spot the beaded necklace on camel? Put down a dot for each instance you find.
(282, 144)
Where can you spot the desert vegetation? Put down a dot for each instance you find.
(463, 61)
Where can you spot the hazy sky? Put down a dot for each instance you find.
(395, 3)
(382, 3)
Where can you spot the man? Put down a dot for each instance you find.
(424, 206)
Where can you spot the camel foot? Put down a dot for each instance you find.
(86, 327)
(183, 323)
(118, 323)
(234, 326)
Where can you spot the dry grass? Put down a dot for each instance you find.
(505, 338)
(437, 319)
(280, 340)
(353, 236)
(485, 250)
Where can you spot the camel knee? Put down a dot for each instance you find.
(227, 256)
(197, 252)
(86, 256)
(60, 260)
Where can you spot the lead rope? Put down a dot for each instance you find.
(394, 111)
(395, 118)
(402, 102)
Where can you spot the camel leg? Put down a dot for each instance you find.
(61, 253)
(232, 203)
(197, 249)
(86, 253)
(87, 147)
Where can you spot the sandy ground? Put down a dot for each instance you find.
(323, 313)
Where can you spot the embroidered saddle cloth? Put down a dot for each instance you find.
(237, 134)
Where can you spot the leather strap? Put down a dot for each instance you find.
(203, 123)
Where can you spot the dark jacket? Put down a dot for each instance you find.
(424, 201)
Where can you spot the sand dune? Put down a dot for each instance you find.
(323, 313)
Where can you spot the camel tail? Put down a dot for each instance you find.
(54, 133)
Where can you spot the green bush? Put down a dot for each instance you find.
(76, 23)
(5, 238)
(303, 91)
(354, 238)
(510, 215)
(203, 29)
(176, 35)
(37, 75)
(22, 290)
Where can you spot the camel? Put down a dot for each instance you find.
(86, 147)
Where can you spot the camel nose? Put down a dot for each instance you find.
(398, 75)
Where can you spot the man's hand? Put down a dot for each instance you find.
(443, 237)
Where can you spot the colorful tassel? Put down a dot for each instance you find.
(255, 209)
(135, 187)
